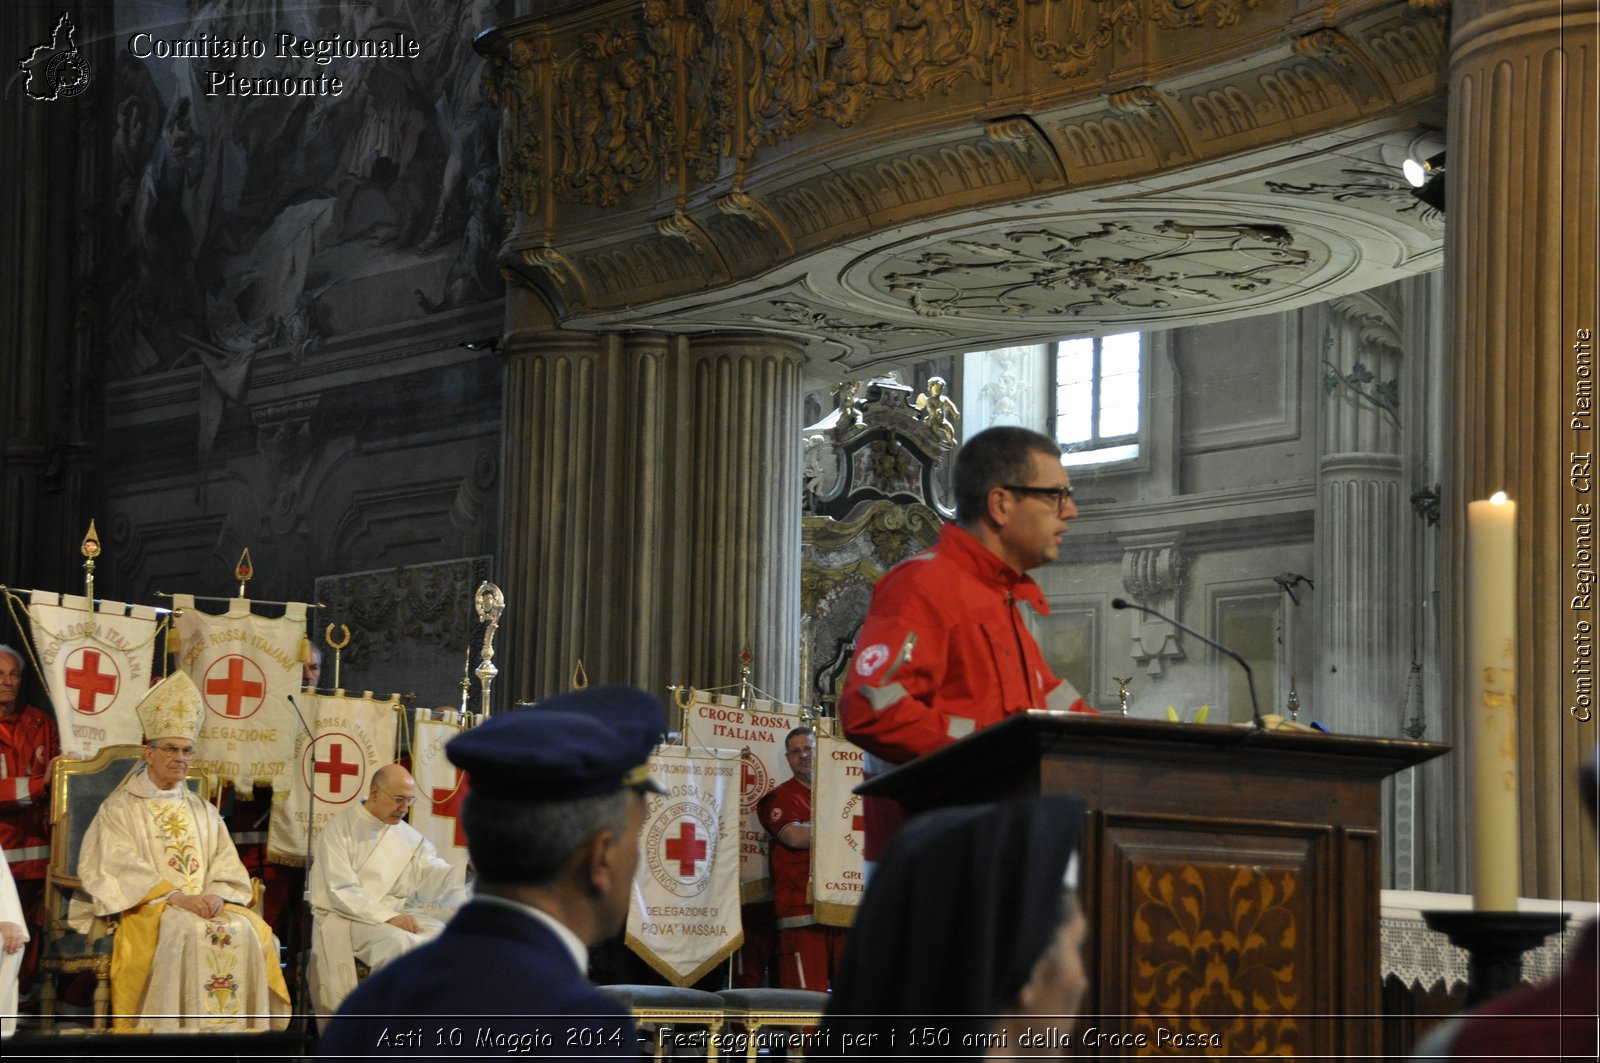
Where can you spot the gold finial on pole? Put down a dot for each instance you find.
(491, 603)
(337, 647)
(1122, 692)
(90, 549)
(466, 680)
(580, 676)
(244, 570)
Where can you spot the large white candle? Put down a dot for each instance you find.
(1491, 687)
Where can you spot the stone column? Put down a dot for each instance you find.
(1361, 521)
(1520, 262)
(651, 510)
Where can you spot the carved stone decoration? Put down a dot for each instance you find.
(833, 61)
(793, 314)
(393, 611)
(1153, 567)
(1090, 32)
(516, 87)
(1384, 187)
(286, 439)
(1132, 268)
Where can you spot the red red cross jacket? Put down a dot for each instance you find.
(974, 662)
(28, 744)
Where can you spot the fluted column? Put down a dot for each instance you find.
(1520, 254)
(652, 510)
(1360, 520)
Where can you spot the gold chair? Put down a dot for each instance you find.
(77, 788)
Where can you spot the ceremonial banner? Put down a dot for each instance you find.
(837, 837)
(715, 721)
(440, 785)
(354, 738)
(96, 666)
(684, 919)
(247, 667)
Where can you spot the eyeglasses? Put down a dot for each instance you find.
(799, 751)
(399, 799)
(1061, 495)
(175, 751)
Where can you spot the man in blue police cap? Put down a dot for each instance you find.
(554, 806)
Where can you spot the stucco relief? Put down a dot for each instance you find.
(1098, 270)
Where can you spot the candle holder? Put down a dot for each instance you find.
(1495, 942)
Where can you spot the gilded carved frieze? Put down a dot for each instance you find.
(801, 316)
(1076, 38)
(1089, 269)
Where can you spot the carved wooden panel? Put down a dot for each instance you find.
(1213, 930)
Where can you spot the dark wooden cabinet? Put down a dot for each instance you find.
(1232, 876)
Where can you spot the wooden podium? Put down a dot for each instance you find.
(1232, 875)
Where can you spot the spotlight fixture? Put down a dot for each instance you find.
(1426, 179)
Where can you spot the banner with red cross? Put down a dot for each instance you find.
(247, 667)
(440, 788)
(355, 736)
(96, 666)
(684, 918)
(717, 721)
(837, 832)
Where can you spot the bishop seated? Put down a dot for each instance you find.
(187, 956)
(378, 887)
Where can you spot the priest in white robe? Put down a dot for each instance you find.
(188, 956)
(378, 887)
(13, 935)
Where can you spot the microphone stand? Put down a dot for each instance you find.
(1255, 710)
(303, 932)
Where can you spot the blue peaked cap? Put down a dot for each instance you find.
(580, 744)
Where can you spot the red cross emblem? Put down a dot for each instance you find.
(687, 849)
(447, 805)
(85, 678)
(326, 777)
(239, 684)
(858, 822)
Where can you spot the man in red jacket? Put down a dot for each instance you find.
(28, 743)
(808, 951)
(944, 649)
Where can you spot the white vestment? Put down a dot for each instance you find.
(10, 962)
(365, 873)
(191, 973)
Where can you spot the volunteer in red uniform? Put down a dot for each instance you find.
(808, 952)
(945, 649)
(28, 743)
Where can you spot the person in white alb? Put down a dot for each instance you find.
(378, 887)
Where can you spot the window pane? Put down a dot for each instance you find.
(1074, 415)
(1119, 421)
(1120, 354)
(1074, 361)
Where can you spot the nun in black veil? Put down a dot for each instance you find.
(970, 935)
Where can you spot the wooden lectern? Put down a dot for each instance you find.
(1232, 875)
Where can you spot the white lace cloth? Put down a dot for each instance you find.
(1420, 957)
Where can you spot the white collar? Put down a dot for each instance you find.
(573, 944)
(143, 786)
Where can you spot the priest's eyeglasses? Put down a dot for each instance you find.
(174, 751)
(399, 799)
(1059, 495)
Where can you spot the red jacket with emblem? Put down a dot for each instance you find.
(788, 803)
(28, 743)
(974, 664)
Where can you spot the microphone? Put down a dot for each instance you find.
(1255, 709)
(306, 1006)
